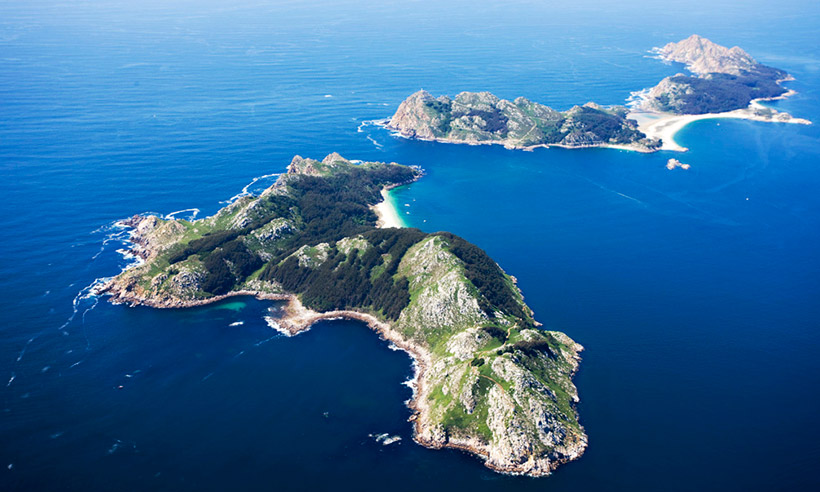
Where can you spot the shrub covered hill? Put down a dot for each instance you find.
(481, 117)
(489, 381)
(724, 79)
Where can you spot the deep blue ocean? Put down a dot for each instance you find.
(696, 293)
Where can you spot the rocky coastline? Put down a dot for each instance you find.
(487, 380)
(299, 319)
(481, 118)
(514, 146)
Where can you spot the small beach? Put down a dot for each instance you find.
(387, 213)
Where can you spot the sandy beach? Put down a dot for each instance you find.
(387, 213)
(664, 126)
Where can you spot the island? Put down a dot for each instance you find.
(724, 79)
(482, 118)
(488, 379)
(727, 83)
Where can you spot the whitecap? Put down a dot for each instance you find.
(114, 448)
(636, 98)
(193, 215)
(412, 383)
(246, 189)
(273, 324)
(262, 342)
(90, 291)
(384, 438)
(377, 144)
(237, 323)
(128, 255)
(121, 444)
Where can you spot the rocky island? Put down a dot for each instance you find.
(488, 380)
(482, 118)
(727, 83)
(724, 79)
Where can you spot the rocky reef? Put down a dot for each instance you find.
(482, 118)
(725, 79)
(489, 381)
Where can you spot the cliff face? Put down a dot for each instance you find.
(725, 79)
(481, 117)
(490, 382)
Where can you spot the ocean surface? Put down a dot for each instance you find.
(696, 293)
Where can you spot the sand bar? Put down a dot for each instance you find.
(664, 126)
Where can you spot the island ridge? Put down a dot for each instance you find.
(488, 380)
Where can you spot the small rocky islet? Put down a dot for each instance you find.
(489, 381)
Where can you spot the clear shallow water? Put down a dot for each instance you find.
(697, 306)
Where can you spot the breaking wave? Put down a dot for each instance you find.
(246, 190)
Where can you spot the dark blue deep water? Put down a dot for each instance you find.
(696, 293)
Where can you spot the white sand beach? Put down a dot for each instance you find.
(386, 210)
(665, 125)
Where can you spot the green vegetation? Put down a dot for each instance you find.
(227, 264)
(483, 117)
(344, 281)
(608, 126)
(329, 208)
(718, 93)
(487, 276)
(313, 234)
(496, 332)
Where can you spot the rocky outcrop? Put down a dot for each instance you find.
(702, 56)
(418, 117)
(152, 235)
(483, 118)
(669, 95)
(510, 402)
(725, 79)
(488, 381)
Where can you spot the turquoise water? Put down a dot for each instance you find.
(694, 292)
